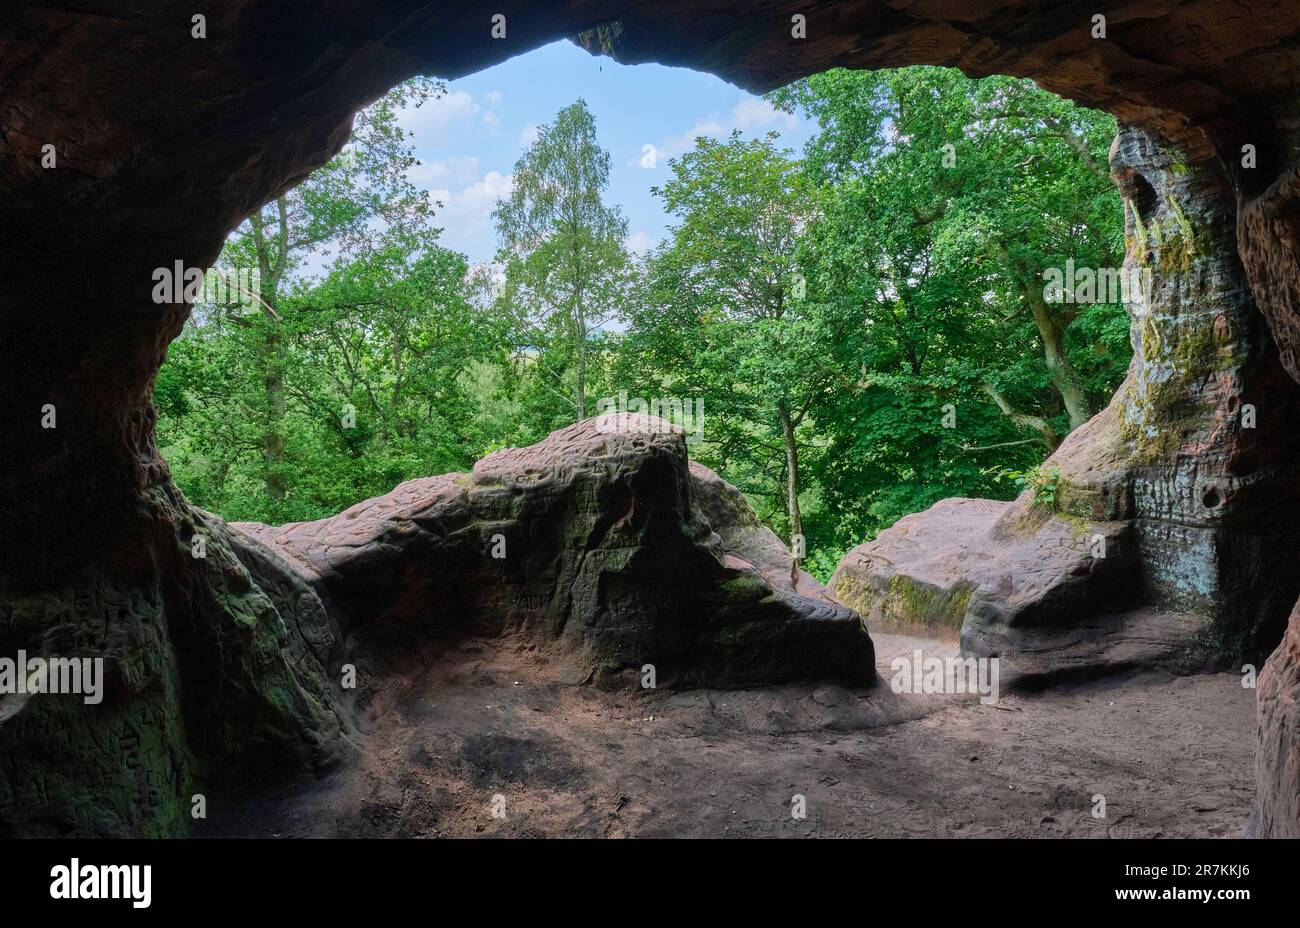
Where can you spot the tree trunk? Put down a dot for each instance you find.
(1051, 329)
(792, 482)
(580, 346)
(269, 348)
(271, 266)
(1046, 434)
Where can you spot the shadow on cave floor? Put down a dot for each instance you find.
(1172, 756)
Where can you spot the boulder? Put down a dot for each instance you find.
(1050, 593)
(978, 567)
(746, 538)
(602, 539)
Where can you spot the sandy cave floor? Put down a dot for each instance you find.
(1173, 757)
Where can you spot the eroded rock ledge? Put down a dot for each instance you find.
(1190, 492)
(1054, 596)
(603, 538)
(1277, 757)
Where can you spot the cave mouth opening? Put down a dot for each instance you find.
(1022, 243)
(931, 224)
(171, 196)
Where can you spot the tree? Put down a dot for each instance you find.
(1000, 174)
(724, 313)
(563, 249)
(332, 390)
(942, 201)
(347, 206)
(867, 325)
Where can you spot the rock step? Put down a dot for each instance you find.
(1054, 596)
(978, 562)
(1100, 645)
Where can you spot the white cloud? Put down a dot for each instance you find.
(528, 135)
(468, 211)
(433, 123)
(675, 145)
(438, 122)
(640, 242)
(750, 114)
(754, 113)
(450, 172)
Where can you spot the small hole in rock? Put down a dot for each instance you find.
(1244, 464)
(1211, 498)
(1143, 196)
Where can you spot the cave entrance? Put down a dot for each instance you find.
(945, 301)
(933, 289)
(151, 176)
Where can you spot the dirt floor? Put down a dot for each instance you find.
(489, 729)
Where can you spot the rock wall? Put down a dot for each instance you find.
(1268, 234)
(596, 542)
(1277, 759)
(213, 679)
(1209, 413)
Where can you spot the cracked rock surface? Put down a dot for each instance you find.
(602, 537)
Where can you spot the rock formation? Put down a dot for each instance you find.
(164, 142)
(1277, 759)
(1193, 492)
(598, 537)
(599, 541)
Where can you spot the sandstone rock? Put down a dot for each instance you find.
(214, 681)
(1016, 581)
(746, 538)
(608, 545)
(1277, 757)
(1213, 488)
(971, 565)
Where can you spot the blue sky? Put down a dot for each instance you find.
(469, 139)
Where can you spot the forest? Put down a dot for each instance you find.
(853, 331)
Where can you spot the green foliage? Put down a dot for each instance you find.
(941, 201)
(821, 563)
(1044, 480)
(866, 323)
(326, 391)
(562, 246)
(722, 316)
